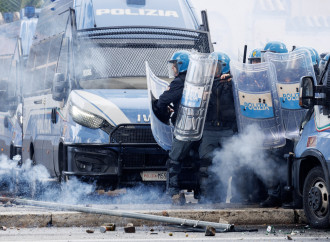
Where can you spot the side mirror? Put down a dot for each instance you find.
(306, 92)
(60, 86)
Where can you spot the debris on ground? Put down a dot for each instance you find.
(4, 228)
(129, 228)
(103, 229)
(179, 199)
(109, 226)
(165, 213)
(170, 234)
(210, 231)
(89, 231)
(271, 229)
(289, 237)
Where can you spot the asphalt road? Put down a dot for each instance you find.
(297, 233)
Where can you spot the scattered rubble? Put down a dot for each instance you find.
(179, 199)
(271, 229)
(289, 237)
(89, 231)
(107, 227)
(4, 228)
(165, 213)
(129, 228)
(210, 231)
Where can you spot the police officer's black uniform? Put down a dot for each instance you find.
(179, 148)
(171, 96)
(220, 124)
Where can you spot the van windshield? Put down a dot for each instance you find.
(115, 58)
(116, 83)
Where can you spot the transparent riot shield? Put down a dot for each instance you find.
(256, 101)
(195, 98)
(162, 132)
(290, 67)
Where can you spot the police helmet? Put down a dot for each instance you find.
(179, 62)
(323, 54)
(276, 47)
(311, 52)
(223, 62)
(255, 56)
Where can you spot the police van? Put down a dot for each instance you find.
(86, 110)
(309, 166)
(17, 37)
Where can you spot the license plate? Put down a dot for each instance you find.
(153, 175)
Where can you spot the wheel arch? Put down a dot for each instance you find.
(310, 159)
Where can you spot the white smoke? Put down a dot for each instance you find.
(34, 182)
(242, 156)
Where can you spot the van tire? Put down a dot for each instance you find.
(316, 199)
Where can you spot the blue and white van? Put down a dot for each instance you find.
(85, 109)
(309, 166)
(17, 38)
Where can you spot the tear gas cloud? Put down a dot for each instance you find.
(234, 24)
(19, 181)
(242, 153)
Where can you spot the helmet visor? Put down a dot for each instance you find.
(218, 70)
(172, 68)
(254, 60)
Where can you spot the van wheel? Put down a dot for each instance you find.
(316, 199)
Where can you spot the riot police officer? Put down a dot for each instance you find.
(276, 155)
(247, 187)
(220, 125)
(315, 59)
(178, 64)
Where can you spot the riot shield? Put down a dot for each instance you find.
(162, 132)
(290, 67)
(195, 98)
(256, 101)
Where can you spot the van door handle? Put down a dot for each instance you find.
(38, 101)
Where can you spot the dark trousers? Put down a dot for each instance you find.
(210, 141)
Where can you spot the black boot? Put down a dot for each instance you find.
(172, 181)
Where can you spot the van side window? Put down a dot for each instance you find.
(52, 60)
(63, 59)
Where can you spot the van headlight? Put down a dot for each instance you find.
(86, 118)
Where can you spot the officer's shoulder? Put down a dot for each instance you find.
(177, 81)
